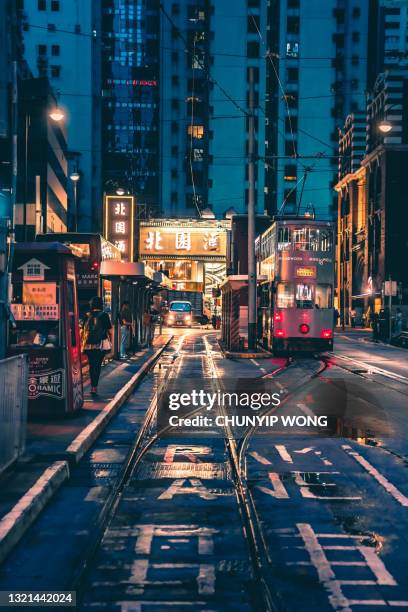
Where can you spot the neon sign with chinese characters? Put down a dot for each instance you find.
(119, 224)
(182, 241)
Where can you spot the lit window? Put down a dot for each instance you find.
(304, 295)
(198, 154)
(196, 131)
(285, 296)
(292, 49)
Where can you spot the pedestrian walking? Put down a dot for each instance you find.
(97, 339)
(147, 322)
(353, 315)
(125, 321)
(336, 316)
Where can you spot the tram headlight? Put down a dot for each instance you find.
(277, 316)
(280, 333)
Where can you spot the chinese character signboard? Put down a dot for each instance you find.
(119, 224)
(187, 242)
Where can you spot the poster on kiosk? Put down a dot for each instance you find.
(44, 307)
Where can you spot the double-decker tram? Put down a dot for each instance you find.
(90, 249)
(296, 302)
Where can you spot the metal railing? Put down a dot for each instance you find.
(13, 408)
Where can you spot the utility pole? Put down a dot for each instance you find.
(251, 220)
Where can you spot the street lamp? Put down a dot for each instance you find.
(385, 126)
(56, 114)
(75, 177)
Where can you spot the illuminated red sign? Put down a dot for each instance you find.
(119, 224)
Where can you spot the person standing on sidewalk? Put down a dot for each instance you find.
(147, 323)
(97, 340)
(125, 321)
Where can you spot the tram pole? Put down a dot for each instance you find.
(251, 220)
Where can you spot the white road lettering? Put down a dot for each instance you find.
(388, 486)
(196, 488)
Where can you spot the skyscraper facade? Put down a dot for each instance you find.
(317, 75)
(62, 43)
(206, 51)
(130, 98)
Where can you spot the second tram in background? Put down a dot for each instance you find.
(296, 302)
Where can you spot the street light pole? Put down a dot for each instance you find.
(251, 220)
(26, 133)
(75, 176)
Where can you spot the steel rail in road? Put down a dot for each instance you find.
(145, 440)
(253, 528)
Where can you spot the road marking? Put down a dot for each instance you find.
(322, 565)
(190, 452)
(373, 369)
(306, 491)
(197, 488)
(377, 566)
(258, 365)
(279, 491)
(283, 452)
(260, 458)
(388, 486)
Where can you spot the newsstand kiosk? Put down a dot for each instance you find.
(44, 307)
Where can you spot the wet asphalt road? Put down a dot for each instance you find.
(332, 512)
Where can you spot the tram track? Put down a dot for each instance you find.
(262, 567)
(261, 559)
(144, 442)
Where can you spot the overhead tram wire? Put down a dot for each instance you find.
(268, 55)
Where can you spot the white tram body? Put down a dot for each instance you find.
(296, 303)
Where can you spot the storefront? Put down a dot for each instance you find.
(191, 252)
(135, 283)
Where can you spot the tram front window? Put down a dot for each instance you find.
(312, 239)
(284, 239)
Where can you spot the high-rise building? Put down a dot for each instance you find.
(317, 75)
(130, 99)
(207, 50)
(62, 43)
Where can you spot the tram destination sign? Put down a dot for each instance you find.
(306, 271)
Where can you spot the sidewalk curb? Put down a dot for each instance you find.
(83, 442)
(16, 522)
